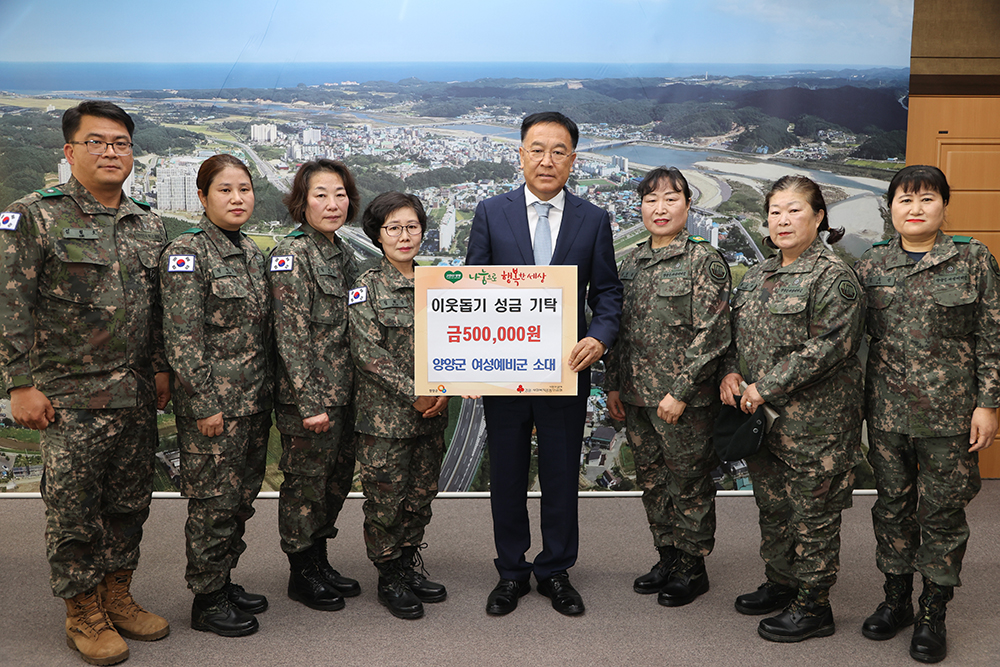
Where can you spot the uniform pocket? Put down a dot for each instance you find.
(673, 302)
(330, 304)
(790, 321)
(878, 300)
(226, 306)
(83, 265)
(954, 311)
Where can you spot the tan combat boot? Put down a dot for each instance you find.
(131, 620)
(89, 631)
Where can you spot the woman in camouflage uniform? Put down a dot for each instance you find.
(931, 393)
(661, 380)
(402, 441)
(797, 320)
(311, 270)
(217, 329)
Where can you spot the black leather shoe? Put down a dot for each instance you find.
(686, 582)
(213, 612)
(657, 577)
(345, 586)
(803, 619)
(307, 585)
(893, 613)
(887, 621)
(769, 597)
(504, 596)
(929, 643)
(251, 603)
(393, 593)
(565, 599)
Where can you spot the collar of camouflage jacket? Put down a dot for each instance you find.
(676, 247)
(327, 248)
(804, 263)
(943, 250)
(89, 205)
(393, 278)
(222, 243)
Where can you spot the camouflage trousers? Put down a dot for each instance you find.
(96, 484)
(800, 514)
(924, 485)
(221, 477)
(399, 477)
(673, 465)
(318, 470)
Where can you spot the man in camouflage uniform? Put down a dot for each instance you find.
(797, 330)
(217, 326)
(82, 357)
(311, 271)
(674, 332)
(401, 448)
(933, 364)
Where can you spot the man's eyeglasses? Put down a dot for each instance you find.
(537, 155)
(98, 147)
(396, 230)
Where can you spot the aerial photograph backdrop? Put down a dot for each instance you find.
(427, 98)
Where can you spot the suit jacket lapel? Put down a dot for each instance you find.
(516, 211)
(567, 228)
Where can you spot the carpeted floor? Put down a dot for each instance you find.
(619, 628)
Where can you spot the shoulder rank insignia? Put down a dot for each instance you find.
(180, 264)
(50, 192)
(8, 220)
(295, 234)
(193, 230)
(885, 242)
(697, 239)
(144, 204)
(282, 262)
(961, 239)
(357, 295)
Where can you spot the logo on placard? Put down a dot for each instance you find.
(453, 276)
(442, 389)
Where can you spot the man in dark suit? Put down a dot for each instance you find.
(542, 223)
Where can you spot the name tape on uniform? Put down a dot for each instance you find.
(180, 264)
(8, 220)
(357, 295)
(282, 262)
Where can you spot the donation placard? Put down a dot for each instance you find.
(494, 330)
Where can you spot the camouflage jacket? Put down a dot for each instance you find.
(380, 308)
(797, 330)
(934, 336)
(310, 276)
(675, 324)
(217, 324)
(80, 309)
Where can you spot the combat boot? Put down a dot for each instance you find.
(687, 581)
(768, 597)
(307, 585)
(129, 619)
(656, 578)
(252, 603)
(415, 576)
(345, 586)
(929, 643)
(895, 612)
(213, 612)
(89, 631)
(808, 615)
(393, 592)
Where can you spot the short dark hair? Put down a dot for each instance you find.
(72, 116)
(295, 200)
(550, 117)
(916, 176)
(656, 177)
(814, 197)
(385, 205)
(211, 167)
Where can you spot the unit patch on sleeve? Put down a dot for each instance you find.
(717, 270)
(8, 220)
(180, 264)
(357, 295)
(848, 290)
(282, 262)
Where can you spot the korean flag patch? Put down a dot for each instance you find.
(8, 220)
(181, 264)
(282, 262)
(357, 295)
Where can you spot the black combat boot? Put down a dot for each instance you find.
(345, 586)
(687, 581)
(808, 615)
(307, 585)
(254, 603)
(393, 592)
(929, 635)
(895, 612)
(656, 578)
(415, 576)
(213, 612)
(768, 597)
